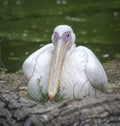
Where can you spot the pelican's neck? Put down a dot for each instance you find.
(73, 46)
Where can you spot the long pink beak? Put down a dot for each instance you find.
(56, 67)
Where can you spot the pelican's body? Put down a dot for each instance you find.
(81, 73)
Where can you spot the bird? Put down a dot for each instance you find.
(75, 71)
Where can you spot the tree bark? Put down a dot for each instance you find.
(100, 111)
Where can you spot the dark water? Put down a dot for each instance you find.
(26, 25)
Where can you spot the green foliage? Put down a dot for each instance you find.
(19, 71)
(44, 97)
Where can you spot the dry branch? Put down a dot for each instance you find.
(17, 111)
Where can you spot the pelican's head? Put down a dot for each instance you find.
(63, 38)
(63, 33)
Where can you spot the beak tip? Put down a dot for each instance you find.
(51, 97)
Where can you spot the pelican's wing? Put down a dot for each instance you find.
(94, 70)
(30, 63)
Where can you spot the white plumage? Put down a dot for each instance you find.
(81, 73)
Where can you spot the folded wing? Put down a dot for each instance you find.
(29, 65)
(95, 71)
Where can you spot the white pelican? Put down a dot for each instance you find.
(76, 71)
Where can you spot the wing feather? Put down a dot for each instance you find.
(30, 63)
(95, 71)
(92, 67)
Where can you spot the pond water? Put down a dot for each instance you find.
(27, 25)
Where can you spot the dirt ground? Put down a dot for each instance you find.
(18, 84)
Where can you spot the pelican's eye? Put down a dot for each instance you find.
(66, 36)
(56, 37)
